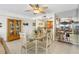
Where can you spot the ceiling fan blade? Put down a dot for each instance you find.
(44, 7)
(34, 6)
(43, 12)
(37, 9)
(31, 5)
(26, 10)
(37, 5)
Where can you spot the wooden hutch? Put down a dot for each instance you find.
(14, 28)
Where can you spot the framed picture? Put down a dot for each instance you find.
(25, 24)
(34, 24)
(0, 24)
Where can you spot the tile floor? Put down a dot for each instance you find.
(55, 48)
(60, 48)
(63, 48)
(1, 49)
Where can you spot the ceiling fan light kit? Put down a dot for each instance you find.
(37, 9)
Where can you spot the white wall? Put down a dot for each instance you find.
(41, 16)
(3, 19)
(12, 15)
(3, 29)
(28, 29)
(67, 14)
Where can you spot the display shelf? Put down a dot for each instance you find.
(14, 27)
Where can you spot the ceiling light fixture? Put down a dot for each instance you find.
(37, 11)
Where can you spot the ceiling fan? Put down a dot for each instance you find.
(37, 8)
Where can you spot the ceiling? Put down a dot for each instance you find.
(20, 8)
